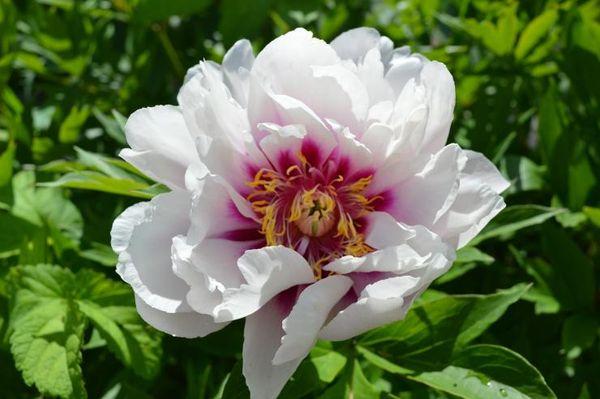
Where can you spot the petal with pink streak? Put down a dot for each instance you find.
(262, 337)
(424, 197)
(308, 315)
(267, 272)
(379, 303)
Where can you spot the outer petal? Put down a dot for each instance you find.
(423, 198)
(307, 317)
(221, 230)
(142, 236)
(480, 168)
(182, 324)
(388, 280)
(267, 271)
(477, 201)
(437, 256)
(161, 145)
(262, 337)
(379, 303)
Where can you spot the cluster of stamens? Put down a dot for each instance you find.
(312, 210)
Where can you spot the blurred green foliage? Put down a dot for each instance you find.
(528, 86)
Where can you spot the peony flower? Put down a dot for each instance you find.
(311, 194)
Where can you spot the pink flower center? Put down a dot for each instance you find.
(316, 211)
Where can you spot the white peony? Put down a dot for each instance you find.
(311, 194)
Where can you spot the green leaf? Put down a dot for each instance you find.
(534, 32)
(114, 127)
(6, 163)
(515, 218)
(352, 384)
(471, 254)
(433, 331)
(12, 239)
(100, 253)
(109, 305)
(48, 297)
(96, 181)
(478, 371)
(319, 369)
(135, 343)
(593, 214)
(523, 173)
(467, 259)
(49, 209)
(71, 126)
(47, 330)
(235, 387)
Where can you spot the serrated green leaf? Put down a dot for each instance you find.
(49, 209)
(47, 330)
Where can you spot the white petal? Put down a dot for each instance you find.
(428, 257)
(355, 43)
(472, 210)
(336, 93)
(142, 237)
(280, 109)
(308, 315)
(267, 271)
(403, 68)
(161, 145)
(399, 248)
(218, 209)
(371, 73)
(480, 168)
(284, 143)
(237, 64)
(379, 303)
(307, 69)
(423, 198)
(441, 98)
(210, 110)
(285, 60)
(182, 324)
(262, 337)
(476, 203)
(379, 138)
